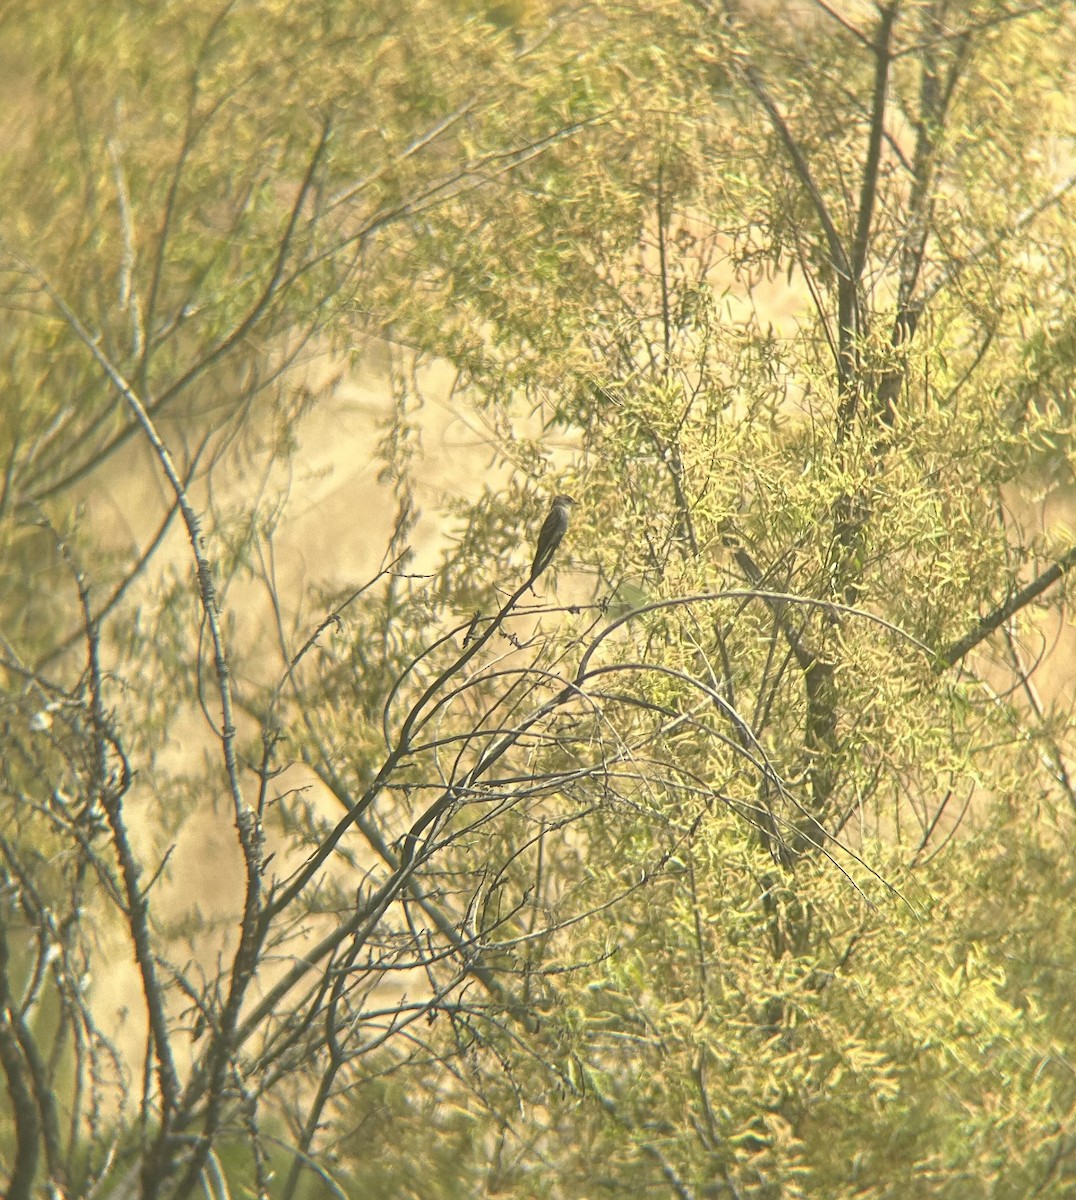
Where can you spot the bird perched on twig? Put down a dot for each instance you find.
(554, 527)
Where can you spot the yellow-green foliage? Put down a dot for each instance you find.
(719, 872)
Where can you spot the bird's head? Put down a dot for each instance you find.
(564, 501)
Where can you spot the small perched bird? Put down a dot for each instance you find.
(554, 527)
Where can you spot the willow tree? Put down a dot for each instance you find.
(797, 322)
(731, 864)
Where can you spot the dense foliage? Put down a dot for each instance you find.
(734, 863)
